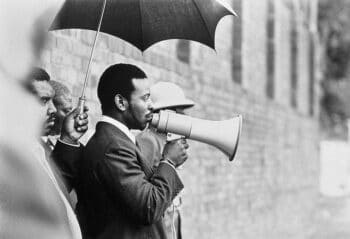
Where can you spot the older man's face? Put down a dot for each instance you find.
(63, 105)
(45, 93)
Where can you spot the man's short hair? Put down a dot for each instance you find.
(60, 89)
(117, 79)
(37, 74)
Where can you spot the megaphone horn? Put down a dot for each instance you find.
(222, 134)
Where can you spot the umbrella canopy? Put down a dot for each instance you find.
(145, 22)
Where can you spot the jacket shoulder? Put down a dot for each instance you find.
(107, 137)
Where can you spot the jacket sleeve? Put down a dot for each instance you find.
(66, 158)
(150, 148)
(145, 199)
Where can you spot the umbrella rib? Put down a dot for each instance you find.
(142, 42)
(200, 14)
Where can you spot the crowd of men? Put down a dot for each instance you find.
(115, 186)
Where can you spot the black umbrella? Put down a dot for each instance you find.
(143, 22)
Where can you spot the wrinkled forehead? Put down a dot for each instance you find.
(43, 88)
(141, 87)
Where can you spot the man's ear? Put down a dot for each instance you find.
(121, 103)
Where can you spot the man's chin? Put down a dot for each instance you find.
(140, 126)
(46, 132)
(55, 129)
(48, 129)
(54, 132)
(145, 124)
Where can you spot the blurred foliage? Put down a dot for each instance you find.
(334, 29)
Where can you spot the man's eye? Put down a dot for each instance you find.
(44, 101)
(146, 97)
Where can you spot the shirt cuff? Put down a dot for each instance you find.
(73, 145)
(164, 161)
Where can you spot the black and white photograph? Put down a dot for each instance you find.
(174, 119)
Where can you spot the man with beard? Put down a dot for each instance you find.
(120, 194)
(68, 149)
(41, 87)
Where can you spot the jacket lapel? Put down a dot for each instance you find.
(145, 165)
(147, 168)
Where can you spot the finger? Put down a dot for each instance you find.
(179, 141)
(71, 110)
(83, 116)
(73, 114)
(82, 129)
(82, 122)
(183, 144)
(180, 145)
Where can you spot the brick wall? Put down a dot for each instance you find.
(269, 191)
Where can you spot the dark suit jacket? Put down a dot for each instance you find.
(119, 194)
(65, 161)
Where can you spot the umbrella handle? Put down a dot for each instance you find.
(81, 104)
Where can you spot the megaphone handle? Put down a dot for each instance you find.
(81, 104)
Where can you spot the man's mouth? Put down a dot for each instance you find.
(51, 121)
(149, 117)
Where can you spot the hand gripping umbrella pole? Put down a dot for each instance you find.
(82, 98)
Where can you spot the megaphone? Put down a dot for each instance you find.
(222, 134)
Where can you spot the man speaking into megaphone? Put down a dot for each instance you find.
(165, 96)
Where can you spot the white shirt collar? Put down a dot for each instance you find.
(119, 125)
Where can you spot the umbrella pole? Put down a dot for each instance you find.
(82, 98)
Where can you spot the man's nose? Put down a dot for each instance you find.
(51, 108)
(150, 105)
